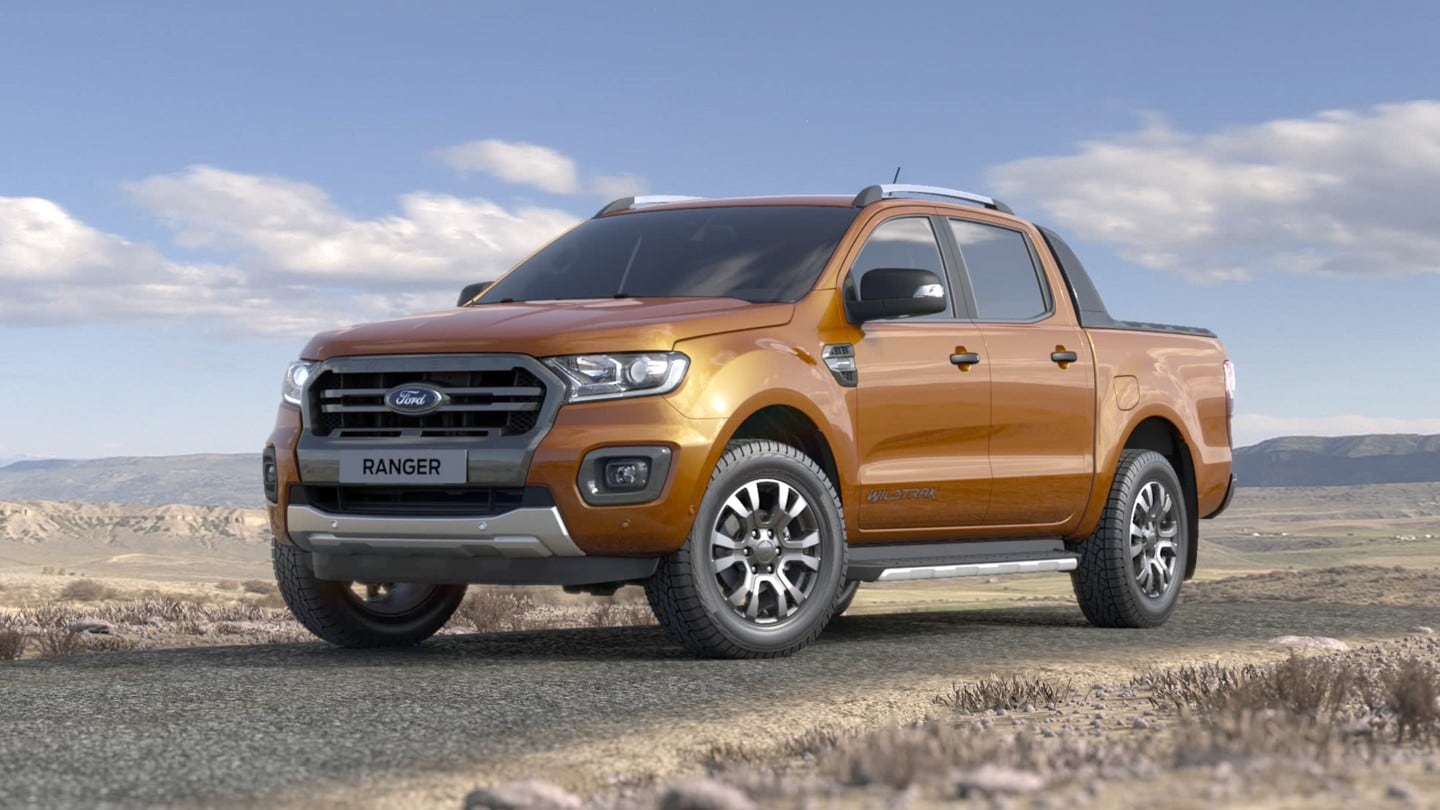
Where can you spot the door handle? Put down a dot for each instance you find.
(1064, 357)
(965, 359)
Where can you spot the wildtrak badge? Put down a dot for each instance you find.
(904, 494)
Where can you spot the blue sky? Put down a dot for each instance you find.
(187, 189)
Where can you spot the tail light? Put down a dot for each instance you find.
(1230, 401)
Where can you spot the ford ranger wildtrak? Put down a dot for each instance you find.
(750, 407)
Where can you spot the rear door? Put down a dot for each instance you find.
(922, 418)
(1042, 380)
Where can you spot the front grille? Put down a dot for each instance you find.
(415, 501)
(482, 403)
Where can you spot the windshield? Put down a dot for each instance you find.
(761, 254)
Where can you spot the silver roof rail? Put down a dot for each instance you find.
(874, 194)
(627, 203)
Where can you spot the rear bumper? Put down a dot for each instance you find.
(1225, 504)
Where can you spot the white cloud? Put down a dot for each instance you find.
(1255, 427)
(529, 164)
(516, 162)
(287, 229)
(1341, 192)
(290, 262)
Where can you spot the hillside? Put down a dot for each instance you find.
(130, 528)
(1304, 461)
(210, 479)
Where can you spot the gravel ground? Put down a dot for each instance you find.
(303, 723)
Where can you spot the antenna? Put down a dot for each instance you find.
(897, 175)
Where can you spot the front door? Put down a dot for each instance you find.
(923, 408)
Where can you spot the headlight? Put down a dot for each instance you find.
(295, 377)
(608, 376)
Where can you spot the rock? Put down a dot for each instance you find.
(1423, 630)
(1140, 724)
(704, 794)
(1313, 642)
(93, 626)
(994, 780)
(531, 794)
(1400, 792)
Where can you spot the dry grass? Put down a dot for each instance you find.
(1011, 694)
(497, 610)
(1351, 713)
(1314, 704)
(227, 585)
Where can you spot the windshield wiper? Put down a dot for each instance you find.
(620, 293)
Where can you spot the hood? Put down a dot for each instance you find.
(542, 328)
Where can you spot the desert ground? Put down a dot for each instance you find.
(158, 667)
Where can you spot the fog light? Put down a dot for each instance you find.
(271, 477)
(626, 474)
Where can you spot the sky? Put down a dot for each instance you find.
(188, 191)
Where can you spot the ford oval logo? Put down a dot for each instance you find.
(414, 400)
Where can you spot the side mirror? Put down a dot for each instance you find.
(471, 291)
(895, 292)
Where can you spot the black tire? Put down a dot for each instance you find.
(847, 595)
(688, 590)
(334, 613)
(1109, 583)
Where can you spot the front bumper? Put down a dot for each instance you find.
(568, 527)
(521, 533)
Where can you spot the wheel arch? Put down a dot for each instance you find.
(790, 425)
(1161, 435)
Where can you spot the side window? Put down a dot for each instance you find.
(1007, 284)
(901, 242)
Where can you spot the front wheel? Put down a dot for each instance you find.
(762, 570)
(1131, 568)
(351, 614)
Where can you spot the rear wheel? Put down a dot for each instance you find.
(352, 614)
(761, 572)
(1131, 568)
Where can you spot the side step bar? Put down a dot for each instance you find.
(889, 563)
(978, 569)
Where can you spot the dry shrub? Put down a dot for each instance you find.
(227, 585)
(86, 590)
(618, 614)
(259, 586)
(1310, 686)
(1412, 697)
(488, 610)
(1010, 694)
(12, 644)
(60, 643)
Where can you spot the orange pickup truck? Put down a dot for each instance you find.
(751, 407)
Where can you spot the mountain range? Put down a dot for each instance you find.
(211, 479)
(1309, 461)
(233, 480)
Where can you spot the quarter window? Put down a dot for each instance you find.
(1002, 272)
(907, 242)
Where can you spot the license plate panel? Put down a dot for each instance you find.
(415, 466)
